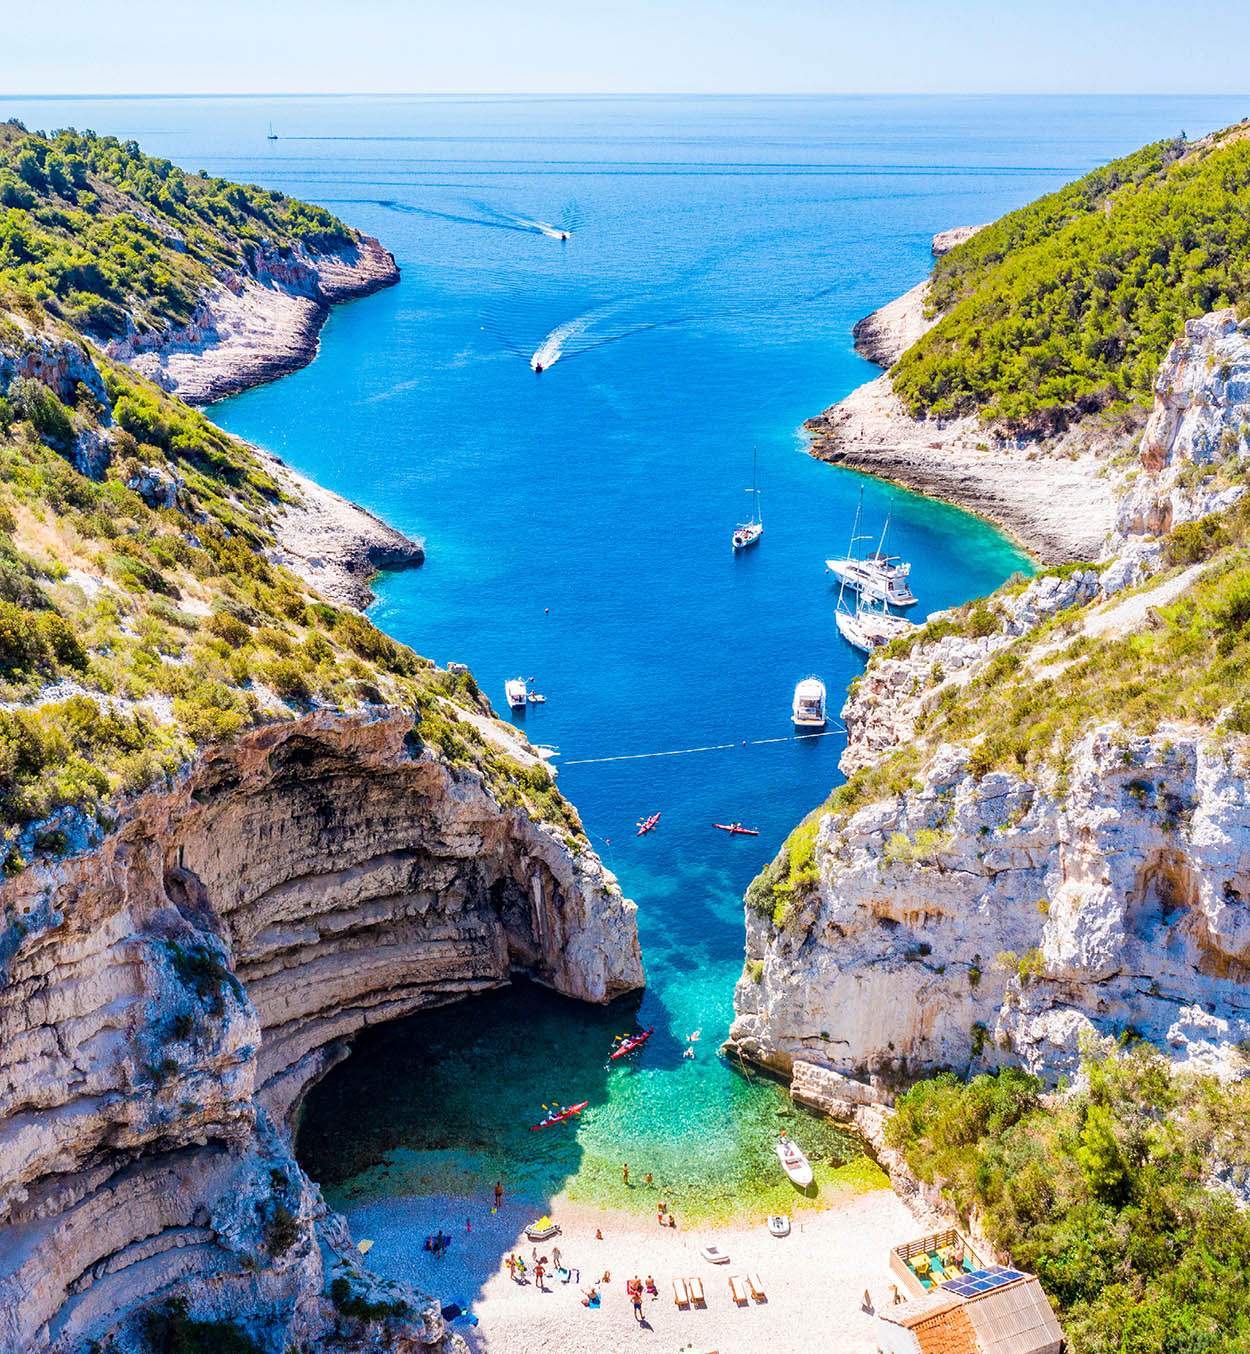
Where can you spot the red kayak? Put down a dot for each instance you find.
(561, 1117)
(633, 1042)
(649, 824)
(737, 827)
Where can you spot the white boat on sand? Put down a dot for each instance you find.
(794, 1163)
(515, 690)
(808, 710)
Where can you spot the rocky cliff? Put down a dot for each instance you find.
(1046, 832)
(258, 322)
(169, 995)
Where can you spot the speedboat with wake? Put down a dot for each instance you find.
(747, 533)
(630, 1042)
(880, 576)
(808, 709)
(794, 1163)
(557, 1114)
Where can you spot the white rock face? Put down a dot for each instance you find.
(1201, 418)
(975, 923)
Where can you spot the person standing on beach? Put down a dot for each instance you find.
(498, 1195)
(625, 1172)
(637, 1297)
(555, 1256)
(539, 1271)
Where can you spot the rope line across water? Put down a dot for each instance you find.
(711, 747)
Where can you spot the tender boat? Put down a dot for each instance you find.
(629, 1044)
(645, 825)
(779, 1224)
(794, 1163)
(737, 828)
(558, 1116)
(808, 711)
(514, 689)
(714, 1255)
(869, 627)
(880, 576)
(747, 533)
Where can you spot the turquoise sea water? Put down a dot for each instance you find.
(578, 523)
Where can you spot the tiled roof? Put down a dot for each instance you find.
(946, 1331)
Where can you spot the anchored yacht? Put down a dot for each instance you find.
(747, 533)
(808, 710)
(880, 576)
(514, 689)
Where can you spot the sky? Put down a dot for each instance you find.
(623, 46)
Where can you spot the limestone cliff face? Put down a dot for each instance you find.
(167, 998)
(970, 920)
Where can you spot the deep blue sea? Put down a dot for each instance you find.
(577, 522)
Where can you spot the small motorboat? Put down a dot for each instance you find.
(738, 828)
(535, 699)
(714, 1255)
(808, 708)
(647, 824)
(778, 1224)
(630, 1043)
(564, 235)
(557, 1114)
(794, 1163)
(515, 690)
(537, 365)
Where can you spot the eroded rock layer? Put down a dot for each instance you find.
(167, 998)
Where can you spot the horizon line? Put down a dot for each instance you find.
(633, 94)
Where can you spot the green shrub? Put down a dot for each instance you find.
(169, 1329)
(351, 1303)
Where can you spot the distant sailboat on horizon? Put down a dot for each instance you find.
(271, 135)
(747, 533)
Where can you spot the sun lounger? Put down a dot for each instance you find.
(756, 1284)
(738, 1287)
(681, 1296)
(695, 1286)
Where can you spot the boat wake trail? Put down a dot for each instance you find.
(551, 349)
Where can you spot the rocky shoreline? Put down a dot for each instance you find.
(1057, 496)
(255, 326)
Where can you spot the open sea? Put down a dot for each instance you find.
(578, 523)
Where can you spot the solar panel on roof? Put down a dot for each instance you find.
(981, 1281)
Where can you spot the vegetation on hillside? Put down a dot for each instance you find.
(1069, 304)
(1105, 1193)
(105, 237)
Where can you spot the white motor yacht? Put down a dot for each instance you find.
(808, 711)
(880, 576)
(514, 689)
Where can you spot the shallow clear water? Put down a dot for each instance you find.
(578, 521)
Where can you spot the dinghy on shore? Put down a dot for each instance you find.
(794, 1163)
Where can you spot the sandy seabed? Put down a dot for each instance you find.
(814, 1279)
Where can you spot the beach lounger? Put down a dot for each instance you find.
(738, 1287)
(695, 1287)
(680, 1294)
(756, 1285)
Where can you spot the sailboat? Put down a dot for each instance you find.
(747, 533)
(882, 576)
(271, 135)
(869, 625)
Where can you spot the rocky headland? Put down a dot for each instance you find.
(257, 322)
(1057, 495)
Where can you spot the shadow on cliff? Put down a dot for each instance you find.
(409, 1134)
